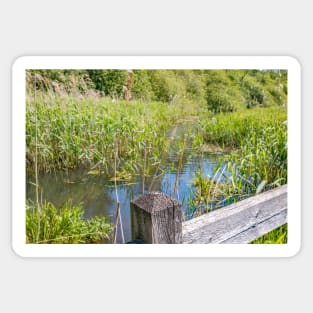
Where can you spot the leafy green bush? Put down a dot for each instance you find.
(110, 82)
(65, 225)
(222, 95)
(142, 89)
(222, 90)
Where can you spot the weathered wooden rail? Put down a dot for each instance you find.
(157, 218)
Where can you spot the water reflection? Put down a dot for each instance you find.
(97, 193)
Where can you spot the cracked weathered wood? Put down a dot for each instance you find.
(240, 222)
(156, 218)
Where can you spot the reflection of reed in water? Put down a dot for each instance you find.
(118, 217)
(179, 167)
(163, 156)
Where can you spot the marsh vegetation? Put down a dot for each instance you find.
(207, 138)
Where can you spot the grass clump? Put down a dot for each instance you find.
(234, 129)
(63, 226)
(257, 139)
(276, 236)
(261, 161)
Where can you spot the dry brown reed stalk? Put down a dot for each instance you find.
(144, 169)
(118, 218)
(36, 166)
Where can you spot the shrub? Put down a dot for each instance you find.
(110, 82)
(222, 95)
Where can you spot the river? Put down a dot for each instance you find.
(97, 193)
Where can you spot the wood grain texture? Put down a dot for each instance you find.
(240, 222)
(156, 218)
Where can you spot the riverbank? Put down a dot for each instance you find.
(140, 146)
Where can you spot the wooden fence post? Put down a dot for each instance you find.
(156, 218)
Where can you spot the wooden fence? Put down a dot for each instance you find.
(157, 218)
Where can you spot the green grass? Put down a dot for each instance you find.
(93, 133)
(74, 132)
(233, 129)
(276, 236)
(257, 139)
(65, 225)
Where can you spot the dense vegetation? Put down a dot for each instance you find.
(81, 118)
(220, 90)
(257, 140)
(50, 225)
(81, 132)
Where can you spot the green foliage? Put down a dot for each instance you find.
(59, 81)
(65, 225)
(110, 82)
(222, 94)
(165, 85)
(265, 88)
(260, 137)
(78, 127)
(229, 90)
(142, 89)
(276, 236)
(232, 129)
(258, 161)
(221, 90)
(263, 159)
(74, 132)
(254, 95)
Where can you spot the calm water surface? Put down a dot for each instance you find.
(97, 193)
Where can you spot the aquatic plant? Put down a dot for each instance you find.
(71, 127)
(75, 132)
(258, 161)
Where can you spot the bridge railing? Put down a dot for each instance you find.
(157, 218)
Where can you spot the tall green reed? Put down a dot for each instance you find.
(257, 140)
(75, 132)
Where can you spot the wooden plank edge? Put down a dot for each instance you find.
(256, 231)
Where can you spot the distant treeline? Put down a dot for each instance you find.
(219, 90)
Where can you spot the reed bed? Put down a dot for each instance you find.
(257, 141)
(232, 130)
(84, 132)
(119, 139)
(260, 139)
(124, 139)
